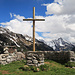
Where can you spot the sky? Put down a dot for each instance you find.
(59, 18)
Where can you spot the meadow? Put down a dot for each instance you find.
(54, 69)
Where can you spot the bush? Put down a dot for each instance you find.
(44, 67)
(34, 68)
(25, 68)
(70, 64)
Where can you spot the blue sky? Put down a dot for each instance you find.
(22, 7)
(59, 18)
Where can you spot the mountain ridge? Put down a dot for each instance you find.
(22, 42)
(60, 45)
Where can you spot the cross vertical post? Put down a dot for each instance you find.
(33, 29)
(33, 26)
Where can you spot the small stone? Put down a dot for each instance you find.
(3, 59)
(35, 61)
(41, 61)
(3, 62)
(30, 54)
(30, 64)
(29, 61)
(8, 60)
(29, 58)
(33, 57)
(6, 52)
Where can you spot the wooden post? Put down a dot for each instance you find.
(33, 29)
(33, 26)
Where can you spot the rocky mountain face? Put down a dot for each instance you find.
(60, 45)
(22, 42)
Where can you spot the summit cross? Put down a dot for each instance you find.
(33, 26)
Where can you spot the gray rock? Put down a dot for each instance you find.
(29, 61)
(8, 60)
(3, 62)
(35, 61)
(29, 58)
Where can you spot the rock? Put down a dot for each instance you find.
(4, 55)
(29, 58)
(33, 57)
(0, 58)
(29, 55)
(29, 61)
(20, 55)
(41, 61)
(6, 52)
(73, 67)
(3, 62)
(35, 61)
(3, 59)
(13, 59)
(8, 60)
(30, 64)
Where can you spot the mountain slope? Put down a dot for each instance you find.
(21, 42)
(60, 45)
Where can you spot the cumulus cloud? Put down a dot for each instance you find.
(60, 7)
(18, 25)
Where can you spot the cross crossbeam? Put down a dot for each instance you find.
(33, 26)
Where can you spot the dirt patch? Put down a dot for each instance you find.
(4, 72)
(47, 62)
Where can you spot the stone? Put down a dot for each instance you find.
(33, 57)
(41, 58)
(29, 58)
(0, 58)
(29, 61)
(41, 61)
(8, 60)
(30, 64)
(35, 61)
(6, 52)
(30, 54)
(73, 67)
(3, 59)
(13, 58)
(20, 55)
(3, 62)
(4, 55)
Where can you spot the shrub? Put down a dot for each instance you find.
(25, 68)
(70, 64)
(34, 68)
(44, 67)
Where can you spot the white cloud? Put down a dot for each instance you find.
(60, 7)
(54, 27)
(18, 25)
(11, 15)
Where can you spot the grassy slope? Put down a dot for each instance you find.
(55, 69)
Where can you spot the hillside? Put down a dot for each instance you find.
(22, 42)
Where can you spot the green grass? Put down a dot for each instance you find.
(55, 69)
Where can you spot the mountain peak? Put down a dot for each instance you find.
(60, 44)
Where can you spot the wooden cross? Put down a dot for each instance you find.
(33, 26)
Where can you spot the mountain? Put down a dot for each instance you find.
(60, 45)
(22, 42)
